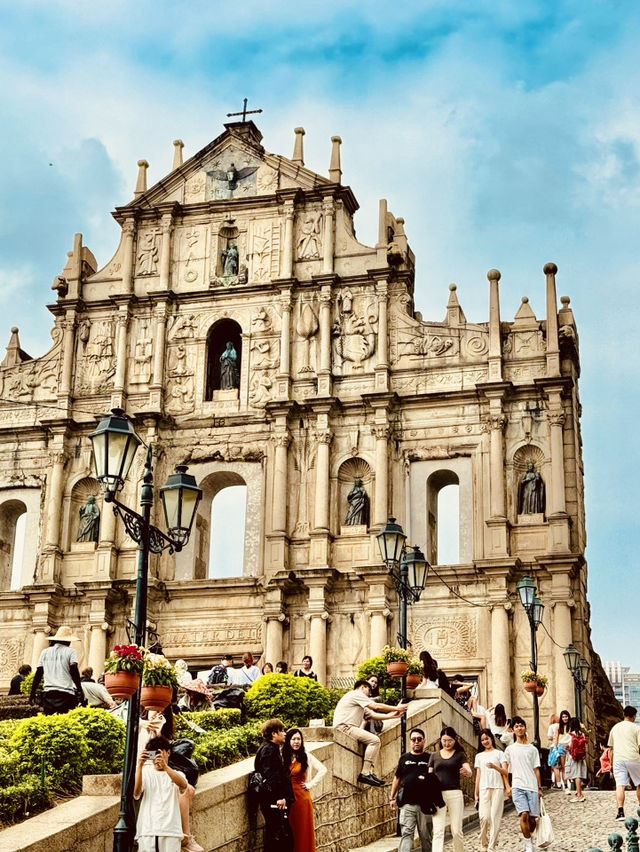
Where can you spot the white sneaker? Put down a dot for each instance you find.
(191, 845)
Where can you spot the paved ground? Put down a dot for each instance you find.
(577, 827)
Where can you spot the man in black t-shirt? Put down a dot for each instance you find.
(419, 794)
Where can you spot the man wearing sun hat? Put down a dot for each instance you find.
(58, 665)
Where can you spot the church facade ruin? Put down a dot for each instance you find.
(251, 336)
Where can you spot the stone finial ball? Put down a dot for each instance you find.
(550, 269)
(336, 139)
(494, 275)
(299, 130)
(178, 142)
(400, 220)
(525, 300)
(453, 287)
(566, 301)
(143, 163)
(15, 329)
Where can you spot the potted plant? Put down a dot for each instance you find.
(397, 660)
(159, 679)
(534, 682)
(414, 673)
(123, 670)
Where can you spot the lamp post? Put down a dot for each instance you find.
(114, 445)
(579, 668)
(408, 569)
(534, 608)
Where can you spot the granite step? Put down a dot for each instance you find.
(391, 842)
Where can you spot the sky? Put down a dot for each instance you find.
(506, 134)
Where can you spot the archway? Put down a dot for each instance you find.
(222, 332)
(227, 532)
(13, 518)
(443, 518)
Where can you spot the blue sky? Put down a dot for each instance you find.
(507, 134)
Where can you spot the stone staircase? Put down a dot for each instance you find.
(391, 842)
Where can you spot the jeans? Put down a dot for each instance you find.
(410, 817)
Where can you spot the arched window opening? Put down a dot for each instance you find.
(449, 525)
(225, 336)
(443, 518)
(13, 521)
(227, 532)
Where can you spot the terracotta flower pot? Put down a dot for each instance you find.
(121, 684)
(413, 681)
(397, 669)
(156, 697)
(531, 686)
(540, 689)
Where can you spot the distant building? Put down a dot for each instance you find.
(625, 683)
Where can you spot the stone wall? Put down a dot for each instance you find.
(347, 814)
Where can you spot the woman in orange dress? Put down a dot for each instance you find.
(306, 770)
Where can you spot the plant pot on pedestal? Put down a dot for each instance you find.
(121, 684)
(397, 669)
(156, 697)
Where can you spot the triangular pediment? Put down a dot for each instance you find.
(232, 166)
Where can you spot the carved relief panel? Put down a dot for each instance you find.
(180, 365)
(452, 637)
(148, 252)
(306, 325)
(355, 331)
(95, 356)
(140, 351)
(232, 174)
(190, 247)
(264, 250)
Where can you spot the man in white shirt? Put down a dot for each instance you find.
(624, 738)
(58, 667)
(348, 717)
(249, 673)
(159, 825)
(522, 759)
(95, 693)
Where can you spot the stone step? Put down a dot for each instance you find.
(391, 842)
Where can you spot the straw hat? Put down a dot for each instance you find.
(64, 634)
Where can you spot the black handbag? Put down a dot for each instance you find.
(256, 786)
(180, 760)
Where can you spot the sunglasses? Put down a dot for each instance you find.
(416, 739)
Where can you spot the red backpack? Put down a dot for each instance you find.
(578, 747)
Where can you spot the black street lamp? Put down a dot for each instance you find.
(114, 445)
(408, 569)
(534, 608)
(580, 669)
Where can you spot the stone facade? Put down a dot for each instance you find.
(338, 378)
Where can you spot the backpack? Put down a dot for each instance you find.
(217, 675)
(578, 747)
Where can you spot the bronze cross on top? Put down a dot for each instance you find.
(244, 112)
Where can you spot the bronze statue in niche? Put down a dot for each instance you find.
(358, 500)
(531, 498)
(89, 527)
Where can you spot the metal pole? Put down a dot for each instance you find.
(124, 831)
(577, 688)
(404, 576)
(534, 666)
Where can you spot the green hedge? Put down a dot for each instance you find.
(60, 740)
(295, 700)
(220, 748)
(209, 720)
(390, 687)
(25, 799)
(105, 739)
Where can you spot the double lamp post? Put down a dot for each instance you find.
(408, 569)
(114, 445)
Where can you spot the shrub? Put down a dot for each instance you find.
(220, 748)
(62, 742)
(7, 727)
(25, 686)
(390, 688)
(295, 700)
(105, 739)
(9, 772)
(22, 800)
(209, 720)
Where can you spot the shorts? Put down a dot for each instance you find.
(626, 772)
(526, 801)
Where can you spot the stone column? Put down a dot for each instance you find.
(40, 642)
(287, 249)
(68, 340)
(98, 648)
(273, 642)
(285, 334)
(495, 344)
(121, 349)
(318, 644)
(557, 497)
(281, 440)
(378, 634)
(383, 331)
(323, 439)
(165, 251)
(553, 348)
(328, 241)
(128, 231)
(563, 635)
(54, 498)
(497, 423)
(380, 504)
(325, 329)
(500, 656)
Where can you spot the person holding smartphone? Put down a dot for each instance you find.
(159, 825)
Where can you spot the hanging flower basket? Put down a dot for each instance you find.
(540, 690)
(531, 686)
(121, 684)
(413, 681)
(397, 669)
(156, 697)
